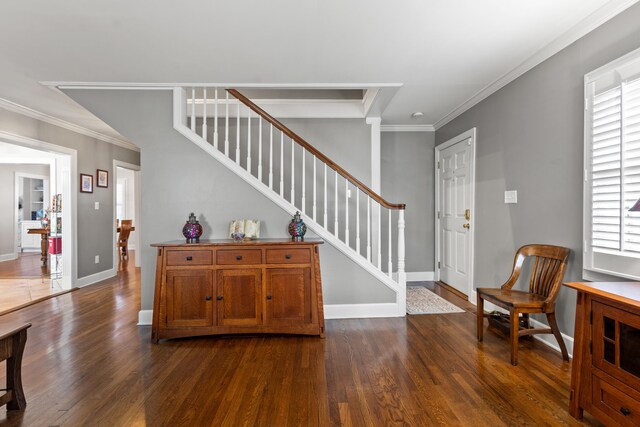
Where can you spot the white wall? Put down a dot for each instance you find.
(8, 226)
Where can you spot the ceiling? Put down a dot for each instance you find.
(11, 153)
(445, 54)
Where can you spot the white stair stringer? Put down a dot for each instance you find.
(179, 124)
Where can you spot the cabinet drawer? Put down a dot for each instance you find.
(189, 258)
(614, 403)
(288, 256)
(238, 256)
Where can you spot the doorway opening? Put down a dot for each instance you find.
(36, 189)
(126, 214)
(455, 212)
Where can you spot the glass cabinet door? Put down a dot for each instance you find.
(616, 342)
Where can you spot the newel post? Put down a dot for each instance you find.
(402, 275)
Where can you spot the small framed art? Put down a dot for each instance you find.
(103, 178)
(86, 183)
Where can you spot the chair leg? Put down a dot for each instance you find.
(480, 317)
(551, 318)
(513, 335)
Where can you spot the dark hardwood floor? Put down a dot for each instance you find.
(87, 363)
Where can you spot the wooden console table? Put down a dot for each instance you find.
(227, 287)
(12, 342)
(605, 376)
(44, 242)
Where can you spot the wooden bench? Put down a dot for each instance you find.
(12, 341)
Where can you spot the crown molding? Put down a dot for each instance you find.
(407, 128)
(578, 31)
(29, 112)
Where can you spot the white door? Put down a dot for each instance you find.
(455, 203)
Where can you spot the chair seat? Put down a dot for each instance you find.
(507, 298)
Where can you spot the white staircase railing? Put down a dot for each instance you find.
(270, 156)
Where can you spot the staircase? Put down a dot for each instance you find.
(297, 177)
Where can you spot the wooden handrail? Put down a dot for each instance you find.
(246, 101)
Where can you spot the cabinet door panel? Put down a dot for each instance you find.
(239, 296)
(288, 298)
(189, 298)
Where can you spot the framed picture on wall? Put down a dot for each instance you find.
(86, 183)
(103, 178)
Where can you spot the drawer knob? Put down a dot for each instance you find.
(219, 297)
(239, 257)
(208, 297)
(269, 297)
(625, 411)
(287, 256)
(189, 258)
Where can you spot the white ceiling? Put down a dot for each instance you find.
(442, 52)
(11, 153)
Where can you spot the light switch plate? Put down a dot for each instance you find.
(97, 205)
(511, 196)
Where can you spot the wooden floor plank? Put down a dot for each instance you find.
(87, 363)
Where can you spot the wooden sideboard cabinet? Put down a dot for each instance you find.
(226, 287)
(605, 376)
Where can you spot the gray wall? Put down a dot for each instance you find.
(8, 226)
(178, 178)
(530, 139)
(95, 228)
(407, 177)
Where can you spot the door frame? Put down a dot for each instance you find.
(136, 220)
(68, 167)
(470, 134)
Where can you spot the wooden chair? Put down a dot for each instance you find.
(123, 238)
(546, 278)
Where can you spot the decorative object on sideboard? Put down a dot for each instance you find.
(103, 178)
(44, 221)
(249, 228)
(297, 227)
(192, 230)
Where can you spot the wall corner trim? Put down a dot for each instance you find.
(145, 317)
(29, 112)
(407, 128)
(9, 257)
(358, 311)
(81, 282)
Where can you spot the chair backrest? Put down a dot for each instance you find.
(547, 271)
(125, 230)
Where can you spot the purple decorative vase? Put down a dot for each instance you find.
(192, 230)
(297, 227)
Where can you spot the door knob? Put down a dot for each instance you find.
(189, 258)
(287, 256)
(269, 297)
(239, 257)
(467, 226)
(208, 297)
(219, 297)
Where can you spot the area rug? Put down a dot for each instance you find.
(422, 301)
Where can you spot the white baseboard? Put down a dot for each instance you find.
(420, 276)
(145, 317)
(547, 339)
(95, 278)
(8, 257)
(358, 311)
(335, 311)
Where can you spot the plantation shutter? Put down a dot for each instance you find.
(615, 168)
